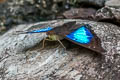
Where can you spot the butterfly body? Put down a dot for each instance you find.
(77, 33)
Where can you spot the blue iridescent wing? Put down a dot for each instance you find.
(84, 36)
(81, 35)
(36, 31)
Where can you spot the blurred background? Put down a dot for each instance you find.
(14, 12)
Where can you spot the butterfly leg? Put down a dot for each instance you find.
(64, 48)
(61, 44)
(43, 44)
(58, 41)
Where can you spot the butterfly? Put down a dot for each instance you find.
(80, 34)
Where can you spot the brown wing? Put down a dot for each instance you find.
(62, 30)
(94, 45)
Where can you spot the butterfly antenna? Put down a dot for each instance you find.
(19, 32)
(22, 32)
